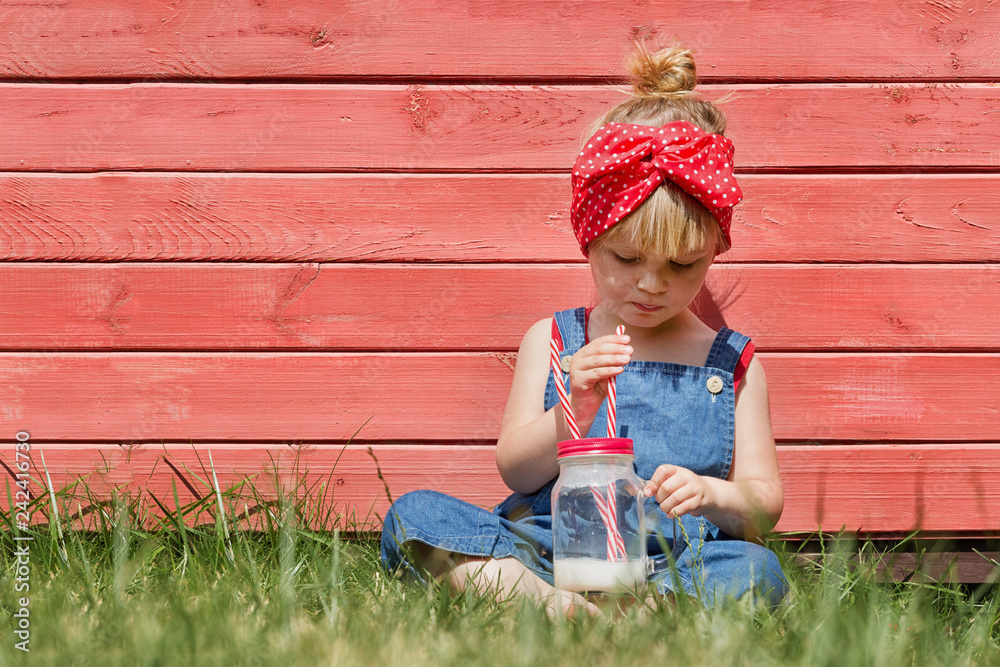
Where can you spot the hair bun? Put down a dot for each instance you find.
(669, 73)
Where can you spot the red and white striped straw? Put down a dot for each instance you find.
(561, 390)
(602, 509)
(609, 515)
(613, 511)
(613, 397)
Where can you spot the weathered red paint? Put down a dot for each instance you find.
(270, 127)
(534, 39)
(377, 218)
(243, 262)
(871, 488)
(426, 307)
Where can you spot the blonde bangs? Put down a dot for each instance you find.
(670, 222)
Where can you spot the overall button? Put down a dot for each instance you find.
(564, 364)
(714, 384)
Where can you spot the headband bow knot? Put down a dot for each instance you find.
(623, 164)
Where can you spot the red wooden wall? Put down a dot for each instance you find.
(261, 228)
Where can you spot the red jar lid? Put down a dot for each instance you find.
(594, 446)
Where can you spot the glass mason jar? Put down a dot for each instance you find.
(598, 523)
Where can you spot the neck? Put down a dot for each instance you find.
(684, 339)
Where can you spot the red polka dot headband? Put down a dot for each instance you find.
(623, 164)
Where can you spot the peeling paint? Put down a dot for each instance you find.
(508, 359)
(899, 95)
(419, 107)
(917, 149)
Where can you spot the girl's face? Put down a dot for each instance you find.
(644, 289)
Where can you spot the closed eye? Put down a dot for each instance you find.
(682, 267)
(626, 260)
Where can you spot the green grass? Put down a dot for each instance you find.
(131, 592)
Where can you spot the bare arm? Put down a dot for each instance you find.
(749, 501)
(526, 447)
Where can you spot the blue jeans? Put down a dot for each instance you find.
(707, 564)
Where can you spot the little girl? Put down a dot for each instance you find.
(653, 193)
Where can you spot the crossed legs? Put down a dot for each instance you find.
(507, 576)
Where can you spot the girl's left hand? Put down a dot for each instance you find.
(680, 491)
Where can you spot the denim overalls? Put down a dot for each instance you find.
(674, 414)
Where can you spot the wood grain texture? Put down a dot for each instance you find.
(470, 218)
(866, 488)
(896, 488)
(239, 38)
(270, 127)
(430, 307)
(278, 217)
(438, 397)
(931, 566)
(246, 225)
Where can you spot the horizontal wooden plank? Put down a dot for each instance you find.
(240, 38)
(973, 564)
(345, 478)
(279, 217)
(310, 127)
(435, 307)
(436, 397)
(867, 488)
(867, 217)
(893, 488)
(976, 567)
(470, 218)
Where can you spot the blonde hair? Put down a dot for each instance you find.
(670, 222)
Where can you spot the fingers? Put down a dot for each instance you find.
(598, 364)
(684, 497)
(660, 476)
(604, 351)
(602, 358)
(680, 509)
(673, 503)
(599, 361)
(677, 490)
(588, 379)
(612, 338)
(591, 368)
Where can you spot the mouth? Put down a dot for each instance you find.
(643, 308)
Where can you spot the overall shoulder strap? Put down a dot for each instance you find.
(727, 350)
(569, 327)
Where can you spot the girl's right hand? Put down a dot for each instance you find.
(589, 371)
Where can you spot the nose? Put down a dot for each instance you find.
(652, 281)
